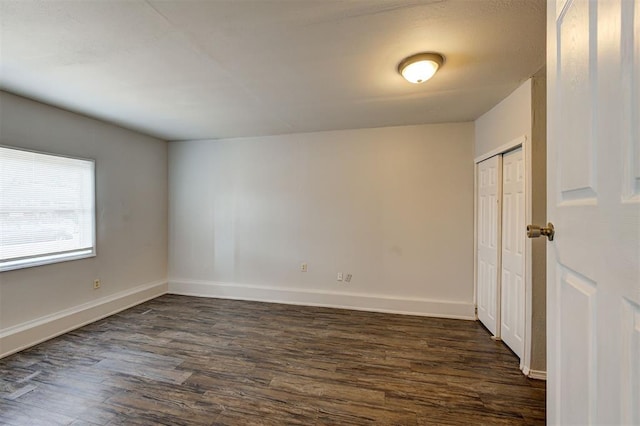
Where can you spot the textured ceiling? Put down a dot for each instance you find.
(216, 69)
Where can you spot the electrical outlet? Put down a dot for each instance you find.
(340, 276)
(348, 278)
(96, 284)
(303, 267)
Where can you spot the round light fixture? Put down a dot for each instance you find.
(420, 67)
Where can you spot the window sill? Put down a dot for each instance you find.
(46, 260)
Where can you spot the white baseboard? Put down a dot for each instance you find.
(22, 336)
(533, 374)
(538, 374)
(342, 300)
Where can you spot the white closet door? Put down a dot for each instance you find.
(512, 304)
(488, 241)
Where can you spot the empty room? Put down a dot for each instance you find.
(306, 212)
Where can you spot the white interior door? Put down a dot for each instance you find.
(593, 295)
(488, 241)
(513, 235)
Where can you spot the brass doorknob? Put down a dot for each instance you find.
(534, 231)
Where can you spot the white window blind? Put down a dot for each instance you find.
(47, 208)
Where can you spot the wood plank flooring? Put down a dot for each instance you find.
(180, 360)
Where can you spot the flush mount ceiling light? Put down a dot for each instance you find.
(420, 67)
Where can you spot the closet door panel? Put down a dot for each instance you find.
(512, 303)
(488, 242)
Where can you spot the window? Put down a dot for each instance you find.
(47, 208)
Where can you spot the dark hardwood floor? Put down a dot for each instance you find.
(183, 360)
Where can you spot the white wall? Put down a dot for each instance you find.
(508, 120)
(131, 176)
(392, 206)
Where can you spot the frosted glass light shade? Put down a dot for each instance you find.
(421, 67)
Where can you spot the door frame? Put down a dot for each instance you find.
(520, 142)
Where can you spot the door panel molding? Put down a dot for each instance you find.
(576, 162)
(630, 57)
(630, 383)
(577, 296)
